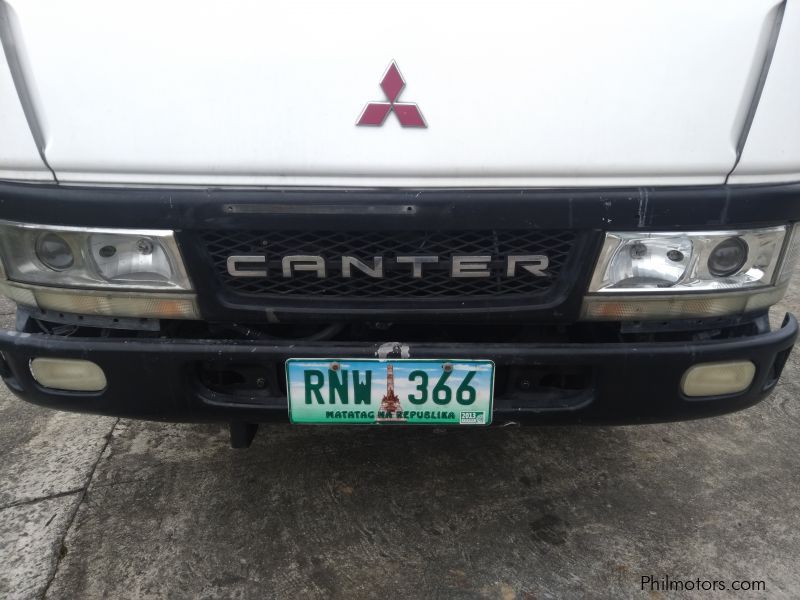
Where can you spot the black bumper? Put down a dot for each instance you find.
(163, 379)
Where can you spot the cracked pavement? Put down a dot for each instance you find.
(99, 507)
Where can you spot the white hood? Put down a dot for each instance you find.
(513, 93)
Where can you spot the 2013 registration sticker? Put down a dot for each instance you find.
(390, 391)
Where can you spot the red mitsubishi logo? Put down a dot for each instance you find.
(375, 113)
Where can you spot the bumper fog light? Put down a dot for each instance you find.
(69, 374)
(717, 379)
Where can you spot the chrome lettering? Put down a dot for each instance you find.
(536, 264)
(376, 270)
(234, 261)
(416, 263)
(303, 262)
(470, 266)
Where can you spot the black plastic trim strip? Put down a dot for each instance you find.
(639, 208)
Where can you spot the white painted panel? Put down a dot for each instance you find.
(772, 151)
(569, 92)
(19, 158)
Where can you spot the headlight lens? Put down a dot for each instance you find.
(73, 257)
(658, 262)
(790, 256)
(129, 260)
(728, 257)
(54, 252)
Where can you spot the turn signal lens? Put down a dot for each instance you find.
(111, 304)
(687, 306)
(118, 305)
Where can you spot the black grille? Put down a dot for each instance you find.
(397, 282)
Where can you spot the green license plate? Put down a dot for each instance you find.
(389, 391)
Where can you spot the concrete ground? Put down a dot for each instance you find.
(99, 507)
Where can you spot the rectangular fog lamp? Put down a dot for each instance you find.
(718, 379)
(69, 374)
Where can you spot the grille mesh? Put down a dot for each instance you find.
(397, 282)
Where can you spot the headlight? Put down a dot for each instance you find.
(54, 252)
(112, 272)
(689, 261)
(92, 258)
(658, 275)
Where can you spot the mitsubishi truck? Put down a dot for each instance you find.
(417, 213)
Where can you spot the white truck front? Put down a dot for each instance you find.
(418, 213)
